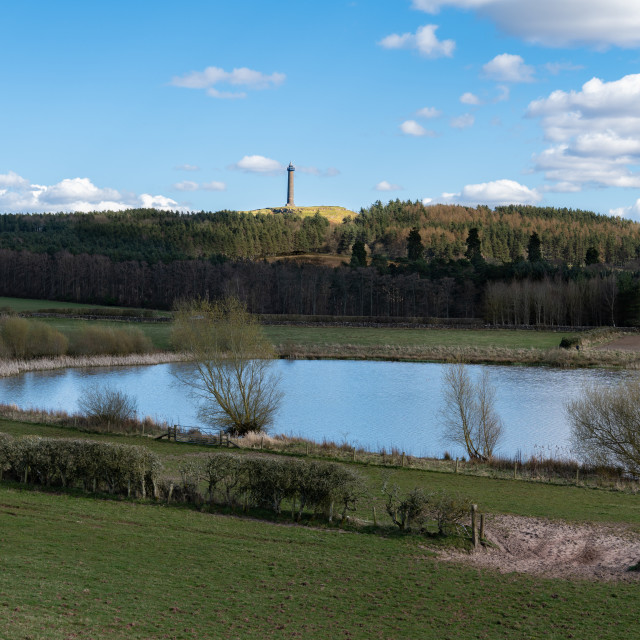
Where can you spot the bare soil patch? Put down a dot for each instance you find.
(556, 549)
(624, 343)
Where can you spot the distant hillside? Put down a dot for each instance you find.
(164, 236)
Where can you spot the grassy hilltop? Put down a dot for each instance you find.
(333, 214)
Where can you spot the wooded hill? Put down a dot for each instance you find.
(152, 236)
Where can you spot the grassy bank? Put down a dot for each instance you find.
(87, 567)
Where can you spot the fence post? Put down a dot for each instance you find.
(228, 445)
(481, 527)
(474, 527)
(403, 458)
(375, 519)
(261, 442)
(353, 455)
(457, 464)
(220, 436)
(307, 448)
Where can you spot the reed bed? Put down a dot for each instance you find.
(16, 367)
(470, 355)
(146, 426)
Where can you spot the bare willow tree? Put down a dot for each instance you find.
(469, 412)
(605, 425)
(232, 364)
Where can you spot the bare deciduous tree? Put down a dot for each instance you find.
(605, 425)
(469, 412)
(232, 364)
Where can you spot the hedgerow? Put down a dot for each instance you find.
(94, 466)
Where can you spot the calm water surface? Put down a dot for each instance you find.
(373, 404)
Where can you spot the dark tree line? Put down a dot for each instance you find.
(455, 290)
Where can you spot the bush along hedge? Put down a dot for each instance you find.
(95, 466)
(267, 483)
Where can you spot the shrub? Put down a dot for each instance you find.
(101, 340)
(14, 336)
(418, 508)
(107, 406)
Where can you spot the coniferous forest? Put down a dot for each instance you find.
(511, 265)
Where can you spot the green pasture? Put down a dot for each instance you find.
(29, 305)
(380, 336)
(78, 567)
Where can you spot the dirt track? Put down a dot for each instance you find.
(625, 343)
(557, 549)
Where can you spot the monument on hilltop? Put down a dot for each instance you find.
(290, 170)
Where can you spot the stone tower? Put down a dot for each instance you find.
(290, 170)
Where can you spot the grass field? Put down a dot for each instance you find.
(72, 566)
(28, 304)
(333, 214)
(75, 567)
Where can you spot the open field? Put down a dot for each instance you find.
(27, 304)
(73, 566)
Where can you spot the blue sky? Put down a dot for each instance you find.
(201, 105)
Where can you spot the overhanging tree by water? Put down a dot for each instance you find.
(232, 364)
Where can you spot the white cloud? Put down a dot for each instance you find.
(556, 23)
(242, 77)
(554, 68)
(387, 186)
(632, 212)
(595, 134)
(463, 122)
(498, 192)
(331, 172)
(426, 201)
(189, 185)
(412, 128)
(424, 40)
(508, 68)
(187, 167)
(258, 164)
(12, 179)
(504, 93)
(71, 194)
(469, 98)
(428, 113)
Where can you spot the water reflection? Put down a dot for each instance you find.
(373, 404)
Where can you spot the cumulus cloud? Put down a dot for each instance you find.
(595, 134)
(632, 212)
(463, 122)
(387, 186)
(258, 164)
(189, 185)
(187, 167)
(498, 192)
(412, 128)
(508, 68)
(597, 23)
(424, 40)
(18, 195)
(242, 77)
(469, 98)
(428, 113)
